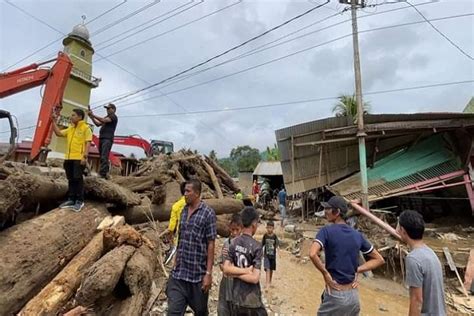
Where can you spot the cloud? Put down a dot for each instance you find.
(399, 57)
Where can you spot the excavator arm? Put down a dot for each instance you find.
(133, 140)
(54, 79)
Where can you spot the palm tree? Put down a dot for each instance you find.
(347, 106)
(273, 154)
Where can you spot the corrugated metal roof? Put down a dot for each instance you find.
(268, 168)
(433, 157)
(319, 160)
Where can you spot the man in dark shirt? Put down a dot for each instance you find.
(341, 244)
(243, 262)
(191, 277)
(107, 125)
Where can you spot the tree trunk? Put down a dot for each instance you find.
(138, 276)
(55, 295)
(33, 252)
(214, 180)
(102, 277)
(162, 212)
(221, 173)
(107, 191)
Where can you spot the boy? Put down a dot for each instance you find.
(79, 137)
(225, 289)
(243, 262)
(423, 269)
(270, 243)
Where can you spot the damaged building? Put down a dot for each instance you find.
(416, 161)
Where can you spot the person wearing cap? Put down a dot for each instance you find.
(107, 124)
(341, 244)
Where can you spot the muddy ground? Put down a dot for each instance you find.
(297, 287)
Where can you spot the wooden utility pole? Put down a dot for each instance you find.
(360, 108)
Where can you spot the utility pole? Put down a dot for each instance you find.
(360, 108)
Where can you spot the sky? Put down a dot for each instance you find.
(314, 66)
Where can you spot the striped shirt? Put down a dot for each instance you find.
(194, 235)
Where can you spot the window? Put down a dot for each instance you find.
(83, 53)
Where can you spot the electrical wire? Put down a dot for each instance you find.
(259, 48)
(128, 16)
(441, 33)
(271, 105)
(174, 29)
(98, 45)
(223, 53)
(294, 54)
(106, 12)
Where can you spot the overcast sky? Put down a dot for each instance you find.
(408, 56)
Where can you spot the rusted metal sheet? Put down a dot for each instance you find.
(340, 159)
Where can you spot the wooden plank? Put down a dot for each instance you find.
(453, 268)
(469, 274)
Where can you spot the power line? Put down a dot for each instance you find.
(270, 105)
(293, 54)
(58, 39)
(128, 16)
(258, 49)
(106, 12)
(441, 33)
(265, 46)
(174, 29)
(146, 22)
(225, 52)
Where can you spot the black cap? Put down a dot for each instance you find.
(110, 106)
(336, 202)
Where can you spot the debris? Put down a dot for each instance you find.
(449, 237)
(453, 268)
(469, 274)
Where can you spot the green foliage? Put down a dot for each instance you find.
(245, 157)
(229, 166)
(347, 106)
(272, 154)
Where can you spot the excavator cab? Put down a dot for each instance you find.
(13, 135)
(161, 147)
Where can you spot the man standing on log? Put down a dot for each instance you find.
(79, 137)
(107, 125)
(341, 244)
(191, 277)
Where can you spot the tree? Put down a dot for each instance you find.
(245, 157)
(229, 166)
(272, 154)
(347, 106)
(213, 155)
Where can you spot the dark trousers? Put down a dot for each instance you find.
(74, 173)
(181, 294)
(245, 311)
(105, 145)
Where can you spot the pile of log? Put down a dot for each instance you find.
(93, 261)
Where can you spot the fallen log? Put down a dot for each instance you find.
(138, 276)
(36, 250)
(101, 278)
(162, 212)
(136, 184)
(222, 225)
(222, 174)
(212, 175)
(56, 294)
(109, 192)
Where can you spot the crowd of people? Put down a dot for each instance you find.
(242, 256)
(193, 225)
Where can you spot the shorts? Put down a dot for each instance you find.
(340, 303)
(245, 311)
(269, 264)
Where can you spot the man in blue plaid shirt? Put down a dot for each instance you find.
(191, 277)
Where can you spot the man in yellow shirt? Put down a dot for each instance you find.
(173, 226)
(79, 137)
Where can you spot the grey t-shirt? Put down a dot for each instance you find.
(423, 269)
